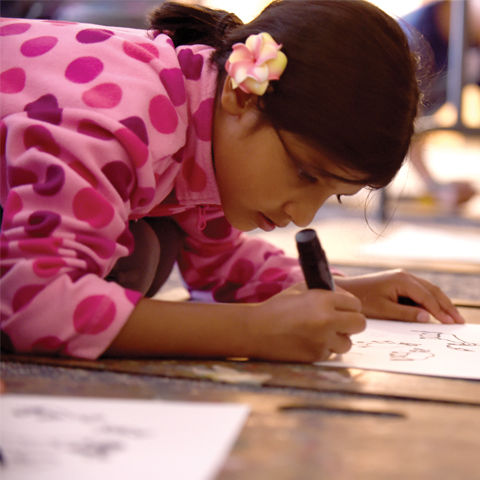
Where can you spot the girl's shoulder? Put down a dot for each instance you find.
(44, 35)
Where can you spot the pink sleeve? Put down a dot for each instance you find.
(64, 226)
(220, 263)
(76, 166)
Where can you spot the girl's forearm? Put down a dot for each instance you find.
(160, 329)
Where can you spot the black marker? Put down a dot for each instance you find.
(313, 260)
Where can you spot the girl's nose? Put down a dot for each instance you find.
(303, 212)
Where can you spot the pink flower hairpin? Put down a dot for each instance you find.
(252, 64)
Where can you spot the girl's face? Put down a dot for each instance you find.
(268, 179)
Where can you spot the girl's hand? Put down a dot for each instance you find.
(301, 325)
(380, 294)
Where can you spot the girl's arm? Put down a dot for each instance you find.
(296, 325)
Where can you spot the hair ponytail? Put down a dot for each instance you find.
(187, 24)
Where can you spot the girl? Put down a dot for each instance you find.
(205, 127)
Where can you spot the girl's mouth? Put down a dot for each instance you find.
(265, 223)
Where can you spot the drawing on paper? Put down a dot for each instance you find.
(413, 351)
(47, 437)
(427, 349)
(99, 438)
(452, 340)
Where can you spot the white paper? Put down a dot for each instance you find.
(423, 349)
(50, 438)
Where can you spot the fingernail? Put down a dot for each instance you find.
(423, 317)
(447, 319)
(458, 317)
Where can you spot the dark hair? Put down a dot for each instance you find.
(350, 85)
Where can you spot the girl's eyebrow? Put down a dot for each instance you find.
(312, 167)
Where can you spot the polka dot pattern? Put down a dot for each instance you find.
(144, 52)
(40, 246)
(45, 267)
(162, 114)
(191, 64)
(92, 129)
(172, 80)
(38, 46)
(136, 149)
(91, 266)
(120, 176)
(42, 223)
(48, 345)
(142, 196)
(132, 296)
(38, 136)
(103, 247)
(14, 29)
(12, 80)
(13, 205)
(20, 176)
(46, 109)
(24, 296)
(84, 69)
(202, 119)
(137, 126)
(105, 95)
(54, 181)
(240, 274)
(273, 275)
(242, 271)
(94, 315)
(93, 35)
(91, 207)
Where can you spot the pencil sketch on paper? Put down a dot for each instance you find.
(45, 438)
(414, 351)
(452, 340)
(97, 438)
(427, 349)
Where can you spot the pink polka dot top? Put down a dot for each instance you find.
(102, 125)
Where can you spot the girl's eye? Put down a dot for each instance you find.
(303, 175)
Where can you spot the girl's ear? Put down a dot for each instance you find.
(236, 101)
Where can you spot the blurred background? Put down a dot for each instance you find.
(429, 217)
(133, 12)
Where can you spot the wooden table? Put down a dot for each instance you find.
(306, 422)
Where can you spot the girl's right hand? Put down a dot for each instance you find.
(301, 325)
